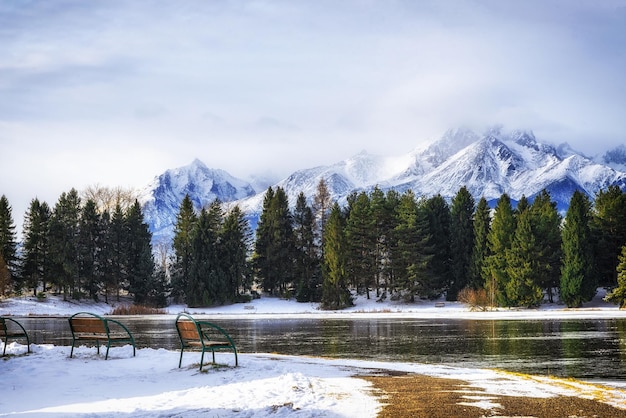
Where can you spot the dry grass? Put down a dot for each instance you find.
(137, 310)
(409, 395)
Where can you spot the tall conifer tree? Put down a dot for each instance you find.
(480, 252)
(203, 262)
(522, 265)
(335, 293)
(274, 247)
(8, 245)
(186, 221)
(499, 240)
(235, 240)
(578, 284)
(117, 239)
(216, 281)
(608, 226)
(412, 254)
(140, 266)
(461, 241)
(36, 257)
(90, 241)
(437, 213)
(618, 295)
(382, 218)
(360, 230)
(322, 204)
(64, 229)
(546, 223)
(307, 263)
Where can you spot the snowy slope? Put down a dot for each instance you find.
(161, 199)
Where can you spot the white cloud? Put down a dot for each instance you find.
(120, 91)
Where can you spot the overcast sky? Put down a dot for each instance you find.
(116, 92)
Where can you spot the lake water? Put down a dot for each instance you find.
(586, 349)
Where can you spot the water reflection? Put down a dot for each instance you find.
(576, 348)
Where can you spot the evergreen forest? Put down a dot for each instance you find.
(378, 244)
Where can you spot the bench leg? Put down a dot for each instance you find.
(181, 357)
(5, 346)
(201, 360)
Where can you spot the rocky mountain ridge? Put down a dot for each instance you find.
(488, 164)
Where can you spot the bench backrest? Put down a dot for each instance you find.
(187, 329)
(88, 325)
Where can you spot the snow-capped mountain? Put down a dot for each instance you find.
(514, 163)
(488, 164)
(161, 199)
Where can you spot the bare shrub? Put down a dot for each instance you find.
(478, 299)
(136, 310)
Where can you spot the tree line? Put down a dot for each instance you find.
(380, 244)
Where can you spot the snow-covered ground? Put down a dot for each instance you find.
(48, 383)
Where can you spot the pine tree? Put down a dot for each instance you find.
(608, 226)
(578, 284)
(203, 262)
(546, 223)
(274, 246)
(461, 241)
(36, 259)
(618, 295)
(160, 289)
(335, 293)
(64, 229)
(8, 240)
(235, 240)
(105, 256)
(322, 204)
(383, 218)
(284, 247)
(216, 281)
(480, 251)
(522, 205)
(89, 245)
(437, 212)
(117, 239)
(186, 221)
(361, 244)
(412, 254)
(389, 248)
(140, 267)
(307, 264)
(522, 266)
(499, 242)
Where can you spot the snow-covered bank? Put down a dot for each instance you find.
(275, 307)
(48, 383)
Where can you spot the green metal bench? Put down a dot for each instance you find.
(200, 335)
(10, 329)
(87, 326)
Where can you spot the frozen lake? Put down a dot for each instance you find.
(586, 349)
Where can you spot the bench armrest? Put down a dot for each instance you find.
(130, 336)
(205, 324)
